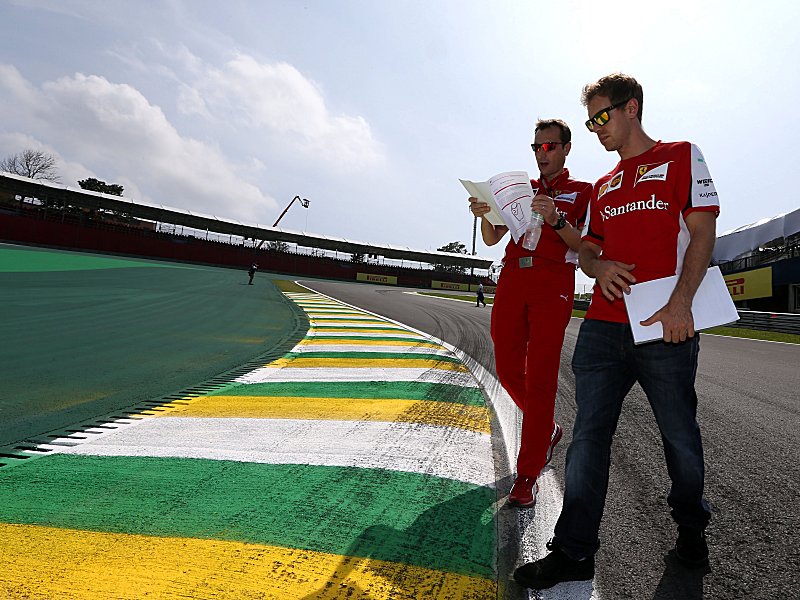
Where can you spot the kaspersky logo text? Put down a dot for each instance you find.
(652, 204)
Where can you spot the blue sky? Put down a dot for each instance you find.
(374, 109)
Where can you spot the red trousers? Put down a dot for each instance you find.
(532, 307)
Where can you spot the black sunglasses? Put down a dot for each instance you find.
(602, 117)
(546, 146)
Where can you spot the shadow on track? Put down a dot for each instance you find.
(680, 583)
(447, 516)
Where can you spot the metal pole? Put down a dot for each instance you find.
(474, 233)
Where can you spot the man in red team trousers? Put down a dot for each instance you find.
(533, 302)
(653, 216)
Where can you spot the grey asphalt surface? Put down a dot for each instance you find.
(749, 415)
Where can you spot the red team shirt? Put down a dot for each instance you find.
(636, 215)
(571, 198)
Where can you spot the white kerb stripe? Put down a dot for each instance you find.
(459, 454)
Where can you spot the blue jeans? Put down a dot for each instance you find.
(606, 364)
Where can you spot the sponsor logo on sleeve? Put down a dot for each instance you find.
(704, 188)
(653, 172)
(609, 186)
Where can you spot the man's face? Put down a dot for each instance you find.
(550, 162)
(616, 130)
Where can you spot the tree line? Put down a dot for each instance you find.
(36, 164)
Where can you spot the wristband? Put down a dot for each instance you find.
(560, 224)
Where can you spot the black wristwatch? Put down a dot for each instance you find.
(562, 222)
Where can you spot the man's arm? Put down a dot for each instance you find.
(613, 277)
(491, 234)
(676, 316)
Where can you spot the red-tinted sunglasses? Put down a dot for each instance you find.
(546, 146)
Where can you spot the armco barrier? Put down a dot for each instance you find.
(768, 321)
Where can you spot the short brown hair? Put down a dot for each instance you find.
(617, 87)
(566, 134)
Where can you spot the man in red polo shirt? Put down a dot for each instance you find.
(652, 216)
(533, 302)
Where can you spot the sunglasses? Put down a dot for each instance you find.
(546, 146)
(602, 117)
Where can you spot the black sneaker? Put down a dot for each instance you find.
(554, 568)
(691, 549)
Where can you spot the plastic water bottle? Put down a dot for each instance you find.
(534, 232)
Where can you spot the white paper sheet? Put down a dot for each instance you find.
(509, 196)
(712, 305)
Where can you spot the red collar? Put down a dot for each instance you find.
(549, 186)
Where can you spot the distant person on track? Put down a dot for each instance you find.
(652, 216)
(533, 302)
(481, 299)
(252, 272)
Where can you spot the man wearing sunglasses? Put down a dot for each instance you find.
(652, 216)
(533, 302)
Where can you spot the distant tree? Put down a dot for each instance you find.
(277, 246)
(456, 248)
(32, 163)
(95, 185)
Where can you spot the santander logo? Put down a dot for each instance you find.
(609, 212)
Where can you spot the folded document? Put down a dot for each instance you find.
(712, 305)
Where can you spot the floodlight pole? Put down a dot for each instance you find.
(304, 202)
(474, 232)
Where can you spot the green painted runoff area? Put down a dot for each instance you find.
(84, 335)
(386, 515)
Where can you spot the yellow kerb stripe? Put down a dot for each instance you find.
(45, 562)
(368, 342)
(445, 414)
(386, 330)
(300, 362)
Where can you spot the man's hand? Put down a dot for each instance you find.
(478, 208)
(491, 234)
(676, 320)
(614, 278)
(545, 206)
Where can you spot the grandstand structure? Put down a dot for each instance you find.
(43, 213)
(761, 263)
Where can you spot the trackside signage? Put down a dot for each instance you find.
(370, 278)
(448, 285)
(750, 284)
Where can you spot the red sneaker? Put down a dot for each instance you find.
(523, 494)
(555, 437)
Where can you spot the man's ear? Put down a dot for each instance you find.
(632, 108)
(567, 148)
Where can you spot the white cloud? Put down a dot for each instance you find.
(114, 130)
(279, 100)
(190, 102)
